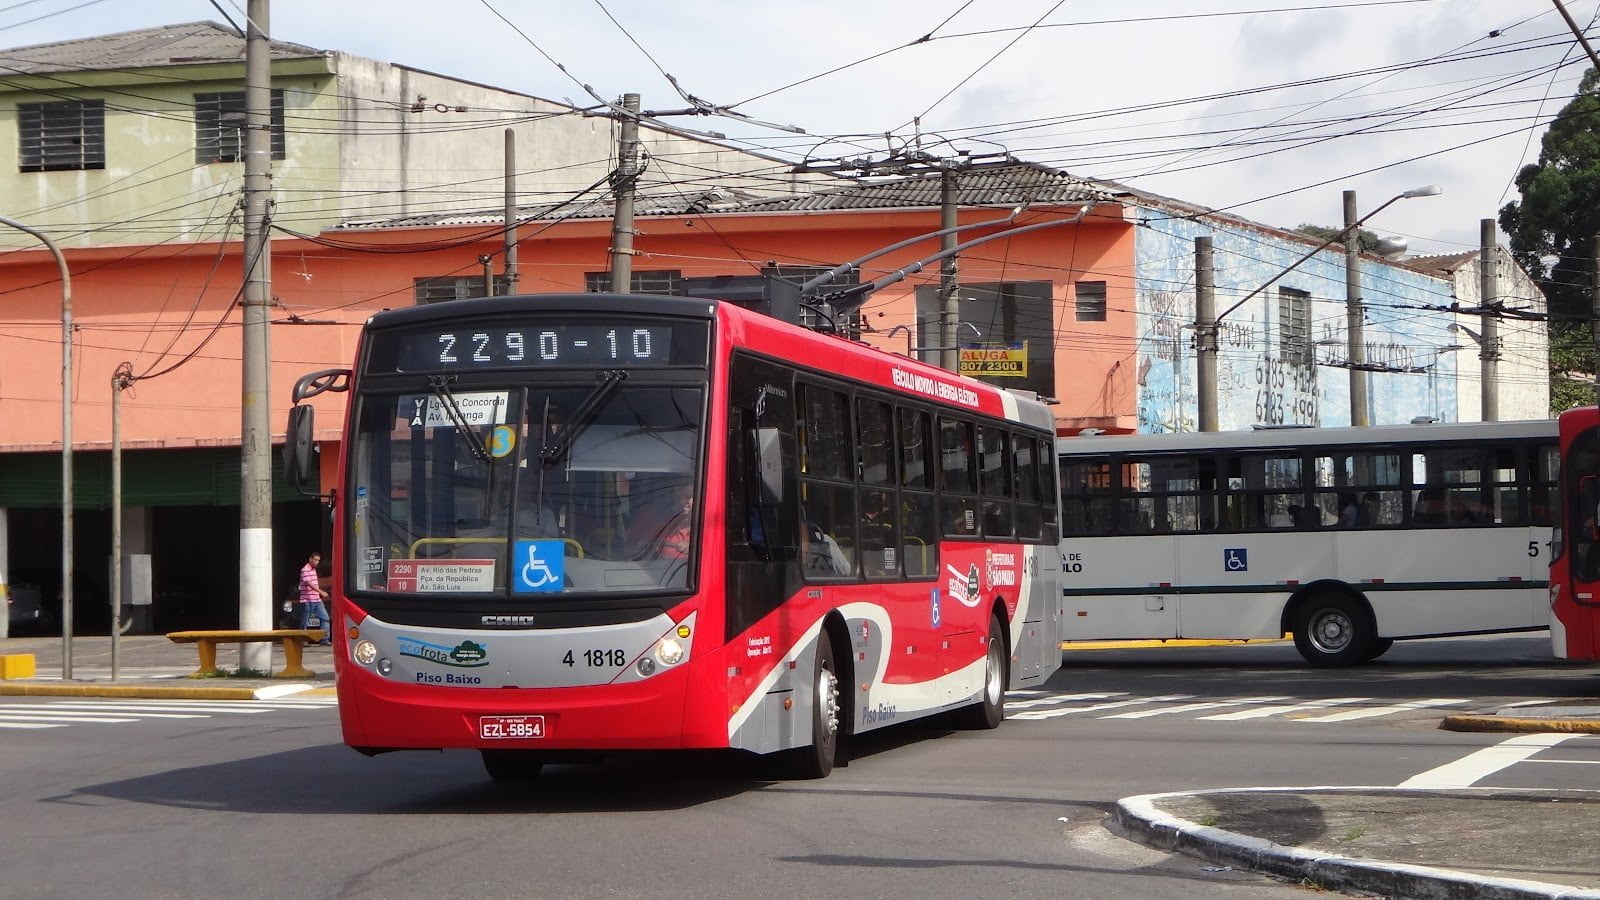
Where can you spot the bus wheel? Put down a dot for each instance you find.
(512, 765)
(817, 760)
(1379, 647)
(1332, 630)
(989, 710)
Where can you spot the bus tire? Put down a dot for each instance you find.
(1333, 630)
(817, 759)
(990, 709)
(1379, 647)
(512, 765)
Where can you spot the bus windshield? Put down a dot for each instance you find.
(527, 490)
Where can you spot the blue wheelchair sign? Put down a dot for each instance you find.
(541, 566)
(1236, 559)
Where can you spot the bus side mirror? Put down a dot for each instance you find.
(298, 451)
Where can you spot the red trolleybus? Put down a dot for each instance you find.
(1575, 550)
(606, 522)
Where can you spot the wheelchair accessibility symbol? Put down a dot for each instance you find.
(541, 566)
(1236, 560)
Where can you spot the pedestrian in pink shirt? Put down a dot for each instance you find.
(312, 596)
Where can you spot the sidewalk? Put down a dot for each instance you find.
(150, 666)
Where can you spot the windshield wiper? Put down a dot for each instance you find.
(440, 385)
(556, 450)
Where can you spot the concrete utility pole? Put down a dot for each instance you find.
(623, 184)
(121, 380)
(511, 218)
(1354, 318)
(1489, 302)
(255, 446)
(1205, 332)
(949, 304)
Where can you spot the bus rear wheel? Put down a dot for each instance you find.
(512, 765)
(1379, 647)
(1333, 630)
(991, 708)
(817, 759)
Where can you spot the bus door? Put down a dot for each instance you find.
(1118, 550)
(1580, 523)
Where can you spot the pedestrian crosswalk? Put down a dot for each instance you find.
(1036, 705)
(33, 715)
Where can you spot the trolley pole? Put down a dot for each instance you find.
(255, 445)
(623, 183)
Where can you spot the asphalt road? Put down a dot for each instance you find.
(268, 803)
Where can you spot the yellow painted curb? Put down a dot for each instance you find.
(147, 692)
(1506, 723)
(1174, 642)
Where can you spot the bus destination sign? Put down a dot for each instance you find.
(567, 344)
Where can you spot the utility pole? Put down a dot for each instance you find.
(511, 218)
(255, 445)
(623, 184)
(949, 304)
(1489, 301)
(1205, 332)
(1354, 321)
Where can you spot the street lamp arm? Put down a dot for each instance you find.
(66, 442)
(1337, 238)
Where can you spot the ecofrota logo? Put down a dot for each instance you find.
(465, 655)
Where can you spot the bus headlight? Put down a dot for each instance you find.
(646, 666)
(669, 651)
(385, 667)
(365, 652)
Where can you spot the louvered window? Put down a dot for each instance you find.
(62, 136)
(219, 127)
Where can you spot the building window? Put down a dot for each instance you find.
(57, 137)
(649, 281)
(454, 287)
(1294, 326)
(219, 127)
(1091, 300)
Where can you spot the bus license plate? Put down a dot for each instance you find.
(498, 728)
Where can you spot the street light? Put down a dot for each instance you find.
(66, 443)
(1206, 326)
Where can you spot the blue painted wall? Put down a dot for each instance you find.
(1257, 383)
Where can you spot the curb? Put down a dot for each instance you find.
(154, 692)
(1509, 724)
(1170, 642)
(1140, 819)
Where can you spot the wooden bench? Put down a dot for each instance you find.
(293, 641)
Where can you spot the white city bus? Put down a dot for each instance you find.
(1351, 538)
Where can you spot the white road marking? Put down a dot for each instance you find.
(1060, 698)
(1474, 767)
(1118, 704)
(29, 725)
(62, 716)
(1265, 711)
(1375, 711)
(1190, 707)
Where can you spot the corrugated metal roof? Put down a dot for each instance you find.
(170, 45)
(1000, 186)
(1009, 186)
(1441, 262)
(714, 200)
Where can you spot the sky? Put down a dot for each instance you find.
(1269, 109)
